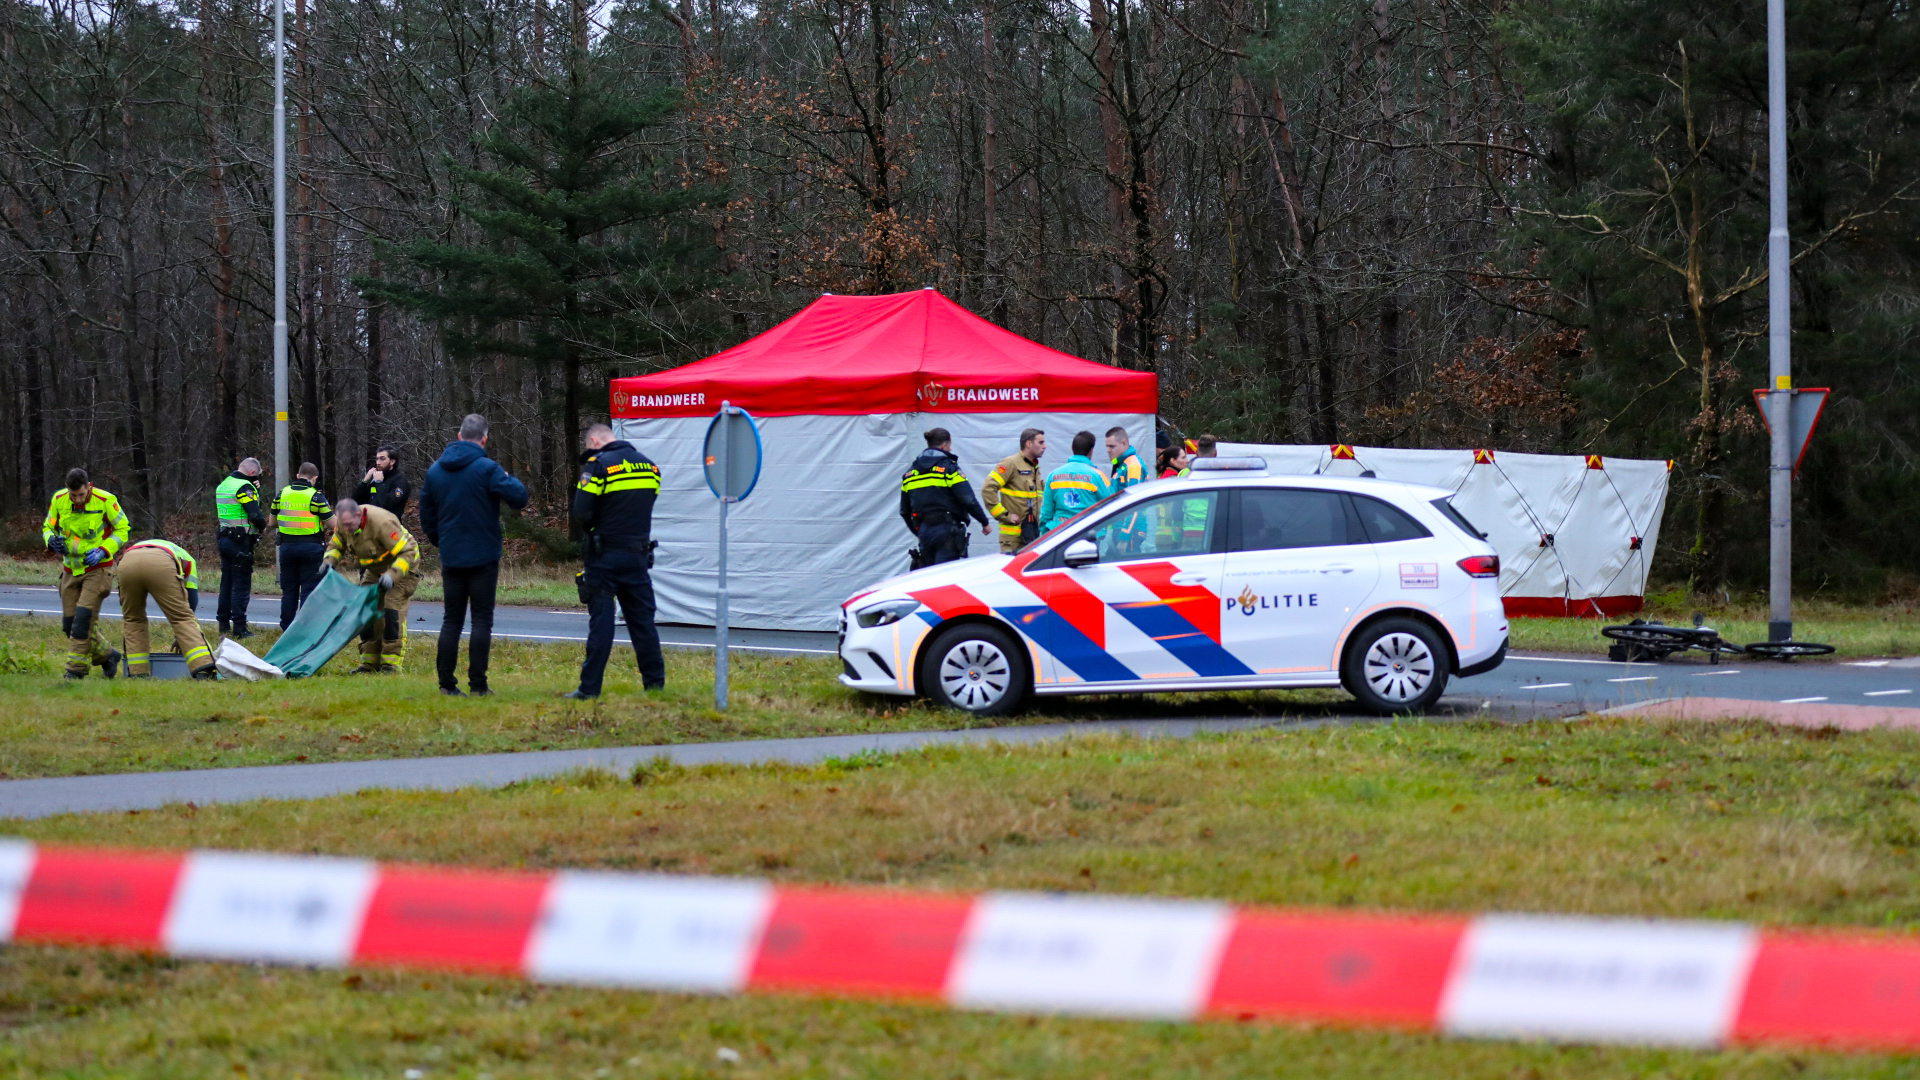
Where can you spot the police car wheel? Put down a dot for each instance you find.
(977, 669)
(1396, 666)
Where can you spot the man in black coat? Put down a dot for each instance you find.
(384, 485)
(460, 513)
(936, 501)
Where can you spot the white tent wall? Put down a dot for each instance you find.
(1591, 567)
(823, 521)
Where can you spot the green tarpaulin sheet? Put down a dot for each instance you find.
(328, 621)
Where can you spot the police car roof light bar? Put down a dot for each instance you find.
(1229, 464)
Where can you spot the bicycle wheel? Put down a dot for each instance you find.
(1787, 650)
(1651, 635)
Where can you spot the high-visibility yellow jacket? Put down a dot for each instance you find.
(1012, 492)
(380, 544)
(100, 523)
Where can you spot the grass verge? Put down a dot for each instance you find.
(49, 727)
(1602, 816)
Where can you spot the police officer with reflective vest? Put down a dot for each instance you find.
(165, 571)
(612, 515)
(1012, 492)
(301, 511)
(86, 528)
(242, 519)
(936, 501)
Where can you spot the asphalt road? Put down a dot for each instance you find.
(1541, 685)
(515, 623)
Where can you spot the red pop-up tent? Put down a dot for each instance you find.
(843, 391)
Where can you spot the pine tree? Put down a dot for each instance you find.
(585, 248)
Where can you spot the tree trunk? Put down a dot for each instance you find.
(226, 389)
(131, 331)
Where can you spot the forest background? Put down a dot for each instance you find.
(1532, 225)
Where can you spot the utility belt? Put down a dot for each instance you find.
(592, 548)
(228, 532)
(936, 517)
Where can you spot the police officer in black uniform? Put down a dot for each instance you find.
(613, 518)
(936, 501)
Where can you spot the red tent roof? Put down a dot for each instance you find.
(900, 353)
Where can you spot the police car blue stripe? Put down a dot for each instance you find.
(1068, 645)
(1181, 638)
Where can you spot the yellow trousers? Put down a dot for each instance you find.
(152, 572)
(383, 642)
(85, 592)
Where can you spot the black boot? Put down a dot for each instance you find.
(110, 666)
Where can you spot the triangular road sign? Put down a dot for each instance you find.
(1804, 409)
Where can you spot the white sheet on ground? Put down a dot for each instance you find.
(235, 661)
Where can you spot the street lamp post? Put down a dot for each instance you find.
(1779, 338)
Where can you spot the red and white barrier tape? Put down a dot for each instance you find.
(1590, 980)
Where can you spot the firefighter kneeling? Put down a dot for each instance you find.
(373, 543)
(166, 572)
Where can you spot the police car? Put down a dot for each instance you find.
(1225, 579)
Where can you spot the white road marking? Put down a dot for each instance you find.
(1574, 660)
(1636, 678)
(669, 643)
(1704, 674)
(1545, 685)
(1800, 700)
(1885, 693)
(1868, 663)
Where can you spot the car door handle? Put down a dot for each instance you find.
(1188, 579)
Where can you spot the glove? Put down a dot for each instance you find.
(57, 545)
(96, 557)
(193, 599)
(386, 580)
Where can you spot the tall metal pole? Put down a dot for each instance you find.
(1779, 337)
(281, 472)
(725, 469)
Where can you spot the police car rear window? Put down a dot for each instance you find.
(1386, 523)
(1445, 506)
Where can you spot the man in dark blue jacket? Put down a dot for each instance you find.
(460, 512)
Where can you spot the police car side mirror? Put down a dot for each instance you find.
(1081, 553)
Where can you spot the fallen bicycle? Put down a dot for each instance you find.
(1641, 640)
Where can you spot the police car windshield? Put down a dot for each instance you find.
(1068, 521)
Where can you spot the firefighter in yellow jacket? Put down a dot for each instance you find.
(372, 543)
(1012, 492)
(166, 572)
(86, 528)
